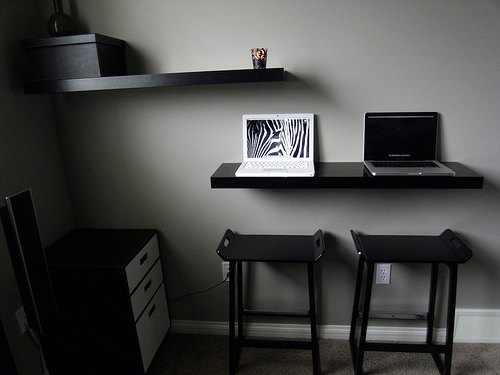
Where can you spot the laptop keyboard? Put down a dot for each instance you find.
(277, 165)
(404, 164)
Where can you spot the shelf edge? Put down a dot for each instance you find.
(155, 80)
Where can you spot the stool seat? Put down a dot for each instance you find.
(238, 248)
(271, 248)
(445, 248)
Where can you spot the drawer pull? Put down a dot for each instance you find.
(143, 259)
(146, 287)
(152, 310)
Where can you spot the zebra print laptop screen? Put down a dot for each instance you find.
(280, 136)
(278, 145)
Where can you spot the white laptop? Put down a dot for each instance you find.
(278, 145)
(402, 144)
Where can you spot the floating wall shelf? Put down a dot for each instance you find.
(155, 80)
(346, 175)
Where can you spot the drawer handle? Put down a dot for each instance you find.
(143, 259)
(152, 310)
(146, 287)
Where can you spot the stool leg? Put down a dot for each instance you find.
(239, 285)
(312, 318)
(430, 315)
(355, 310)
(232, 347)
(432, 303)
(450, 325)
(364, 320)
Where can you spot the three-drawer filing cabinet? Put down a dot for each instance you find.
(111, 298)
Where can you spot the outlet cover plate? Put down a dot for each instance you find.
(225, 271)
(383, 275)
(21, 319)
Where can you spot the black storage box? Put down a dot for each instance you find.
(75, 56)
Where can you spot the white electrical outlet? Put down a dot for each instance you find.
(21, 320)
(383, 274)
(225, 271)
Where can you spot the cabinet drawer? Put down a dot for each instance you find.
(146, 289)
(152, 326)
(141, 263)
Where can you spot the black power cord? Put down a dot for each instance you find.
(200, 291)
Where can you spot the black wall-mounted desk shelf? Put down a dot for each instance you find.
(155, 80)
(346, 175)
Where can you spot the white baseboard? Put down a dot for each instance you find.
(472, 325)
(339, 332)
(477, 325)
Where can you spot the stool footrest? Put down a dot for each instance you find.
(415, 348)
(290, 313)
(275, 344)
(396, 315)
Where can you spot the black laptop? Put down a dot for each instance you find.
(402, 144)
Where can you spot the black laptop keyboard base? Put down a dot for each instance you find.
(404, 164)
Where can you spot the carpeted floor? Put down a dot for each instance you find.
(206, 354)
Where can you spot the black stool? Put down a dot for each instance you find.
(445, 248)
(236, 249)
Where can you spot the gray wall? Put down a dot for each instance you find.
(29, 158)
(143, 158)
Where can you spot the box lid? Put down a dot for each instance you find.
(72, 39)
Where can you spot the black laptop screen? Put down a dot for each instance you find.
(400, 136)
